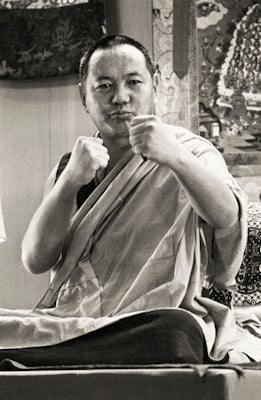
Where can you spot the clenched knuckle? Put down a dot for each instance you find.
(81, 139)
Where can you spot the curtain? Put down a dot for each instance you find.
(46, 38)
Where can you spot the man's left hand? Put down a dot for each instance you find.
(153, 139)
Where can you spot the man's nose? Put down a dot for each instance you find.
(121, 95)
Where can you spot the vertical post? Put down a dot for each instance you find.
(185, 54)
(181, 34)
(132, 18)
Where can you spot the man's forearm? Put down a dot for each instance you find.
(44, 239)
(209, 195)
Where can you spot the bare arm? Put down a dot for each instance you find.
(44, 238)
(209, 195)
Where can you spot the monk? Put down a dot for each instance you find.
(143, 230)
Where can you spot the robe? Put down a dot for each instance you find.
(137, 245)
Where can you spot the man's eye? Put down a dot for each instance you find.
(104, 86)
(134, 82)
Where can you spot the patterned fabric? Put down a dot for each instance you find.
(39, 43)
(248, 278)
(28, 4)
(249, 275)
(221, 296)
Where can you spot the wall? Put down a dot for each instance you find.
(39, 120)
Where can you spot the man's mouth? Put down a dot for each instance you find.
(122, 115)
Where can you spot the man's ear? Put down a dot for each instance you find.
(155, 90)
(155, 82)
(82, 95)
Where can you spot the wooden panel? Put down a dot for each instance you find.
(24, 139)
(195, 383)
(39, 120)
(68, 118)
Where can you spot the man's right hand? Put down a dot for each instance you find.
(88, 155)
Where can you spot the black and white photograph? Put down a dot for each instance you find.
(130, 199)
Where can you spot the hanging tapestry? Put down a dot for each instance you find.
(229, 43)
(46, 38)
(26, 4)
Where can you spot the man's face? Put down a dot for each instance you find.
(118, 87)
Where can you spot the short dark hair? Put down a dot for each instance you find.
(107, 42)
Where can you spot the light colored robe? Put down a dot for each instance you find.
(137, 245)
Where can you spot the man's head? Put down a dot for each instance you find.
(108, 42)
(116, 84)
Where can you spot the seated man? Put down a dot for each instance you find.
(136, 221)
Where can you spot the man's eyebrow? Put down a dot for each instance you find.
(134, 74)
(103, 77)
(129, 75)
